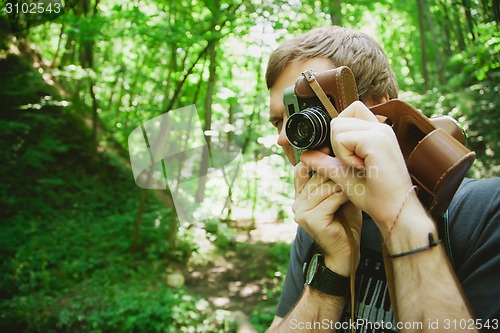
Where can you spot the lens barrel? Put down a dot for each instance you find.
(309, 128)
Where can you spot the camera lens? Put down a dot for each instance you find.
(304, 129)
(309, 128)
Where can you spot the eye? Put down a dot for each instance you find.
(278, 123)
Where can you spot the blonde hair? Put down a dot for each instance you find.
(344, 47)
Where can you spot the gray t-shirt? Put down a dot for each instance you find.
(473, 236)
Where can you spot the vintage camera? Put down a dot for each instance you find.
(308, 123)
(433, 149)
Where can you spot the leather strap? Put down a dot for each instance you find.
(311, 79)
(352, 278)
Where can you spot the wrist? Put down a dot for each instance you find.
(323, 279)
(316, 295)
(411, 229)
(341, 267)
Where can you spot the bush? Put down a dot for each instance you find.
(126, 307)
(65, 264)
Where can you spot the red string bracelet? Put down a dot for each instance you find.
(432, 243)
(414, 187)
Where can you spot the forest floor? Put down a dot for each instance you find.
(239, 279)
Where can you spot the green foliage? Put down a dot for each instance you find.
(67, 214)
(263, 315)
(65, 263)
(477, 109)
(480, 61)
(262, 318)
(21, 84)
(220, 234)
(280, 254)
(132, 306)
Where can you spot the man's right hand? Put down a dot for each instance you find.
(319, 207)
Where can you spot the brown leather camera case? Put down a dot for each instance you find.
(434, 150)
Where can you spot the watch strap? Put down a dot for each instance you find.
(329, 282)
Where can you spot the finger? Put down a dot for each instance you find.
(347, 147)
(358, 110)
(302, 175)
(349, 210)
(320, 192)
(358, 130)
(325, 165)
(326, 149)
(332, 203)
(311, 187)
(362, 148)
(328, 206)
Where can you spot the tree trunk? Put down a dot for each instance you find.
(334, 7)
(470, 20)
(458, 29)
(56, 55)
(205, 162)
(445, 25)
(423, 42)
(440, 48)
(87, 61)
(138, 219)
(95, 140)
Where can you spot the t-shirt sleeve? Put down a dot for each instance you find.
(475, 243)
(294, 279)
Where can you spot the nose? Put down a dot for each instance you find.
(282, 140)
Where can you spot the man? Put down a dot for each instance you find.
(430, 294)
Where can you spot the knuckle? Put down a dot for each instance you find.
(298, 169)
(299, 218)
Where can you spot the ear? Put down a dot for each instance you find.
(371, 101)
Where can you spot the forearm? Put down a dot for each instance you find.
(314, 312)
(426, 287)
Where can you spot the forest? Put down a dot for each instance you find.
(87, 245)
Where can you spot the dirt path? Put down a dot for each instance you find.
(237, 280)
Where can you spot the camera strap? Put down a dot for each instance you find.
(320, 93)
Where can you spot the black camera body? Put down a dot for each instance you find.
(308, 122)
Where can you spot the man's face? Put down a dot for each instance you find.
(277, 109)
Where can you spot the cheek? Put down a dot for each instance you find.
(282, 140)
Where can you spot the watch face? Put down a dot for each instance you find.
(313, 267)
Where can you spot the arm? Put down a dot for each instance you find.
(315, 312)
(317, 200)
(372, 172)
(426, 287)
(474, 228)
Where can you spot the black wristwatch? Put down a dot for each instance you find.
(323, 279)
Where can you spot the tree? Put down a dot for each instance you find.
(422, 14)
